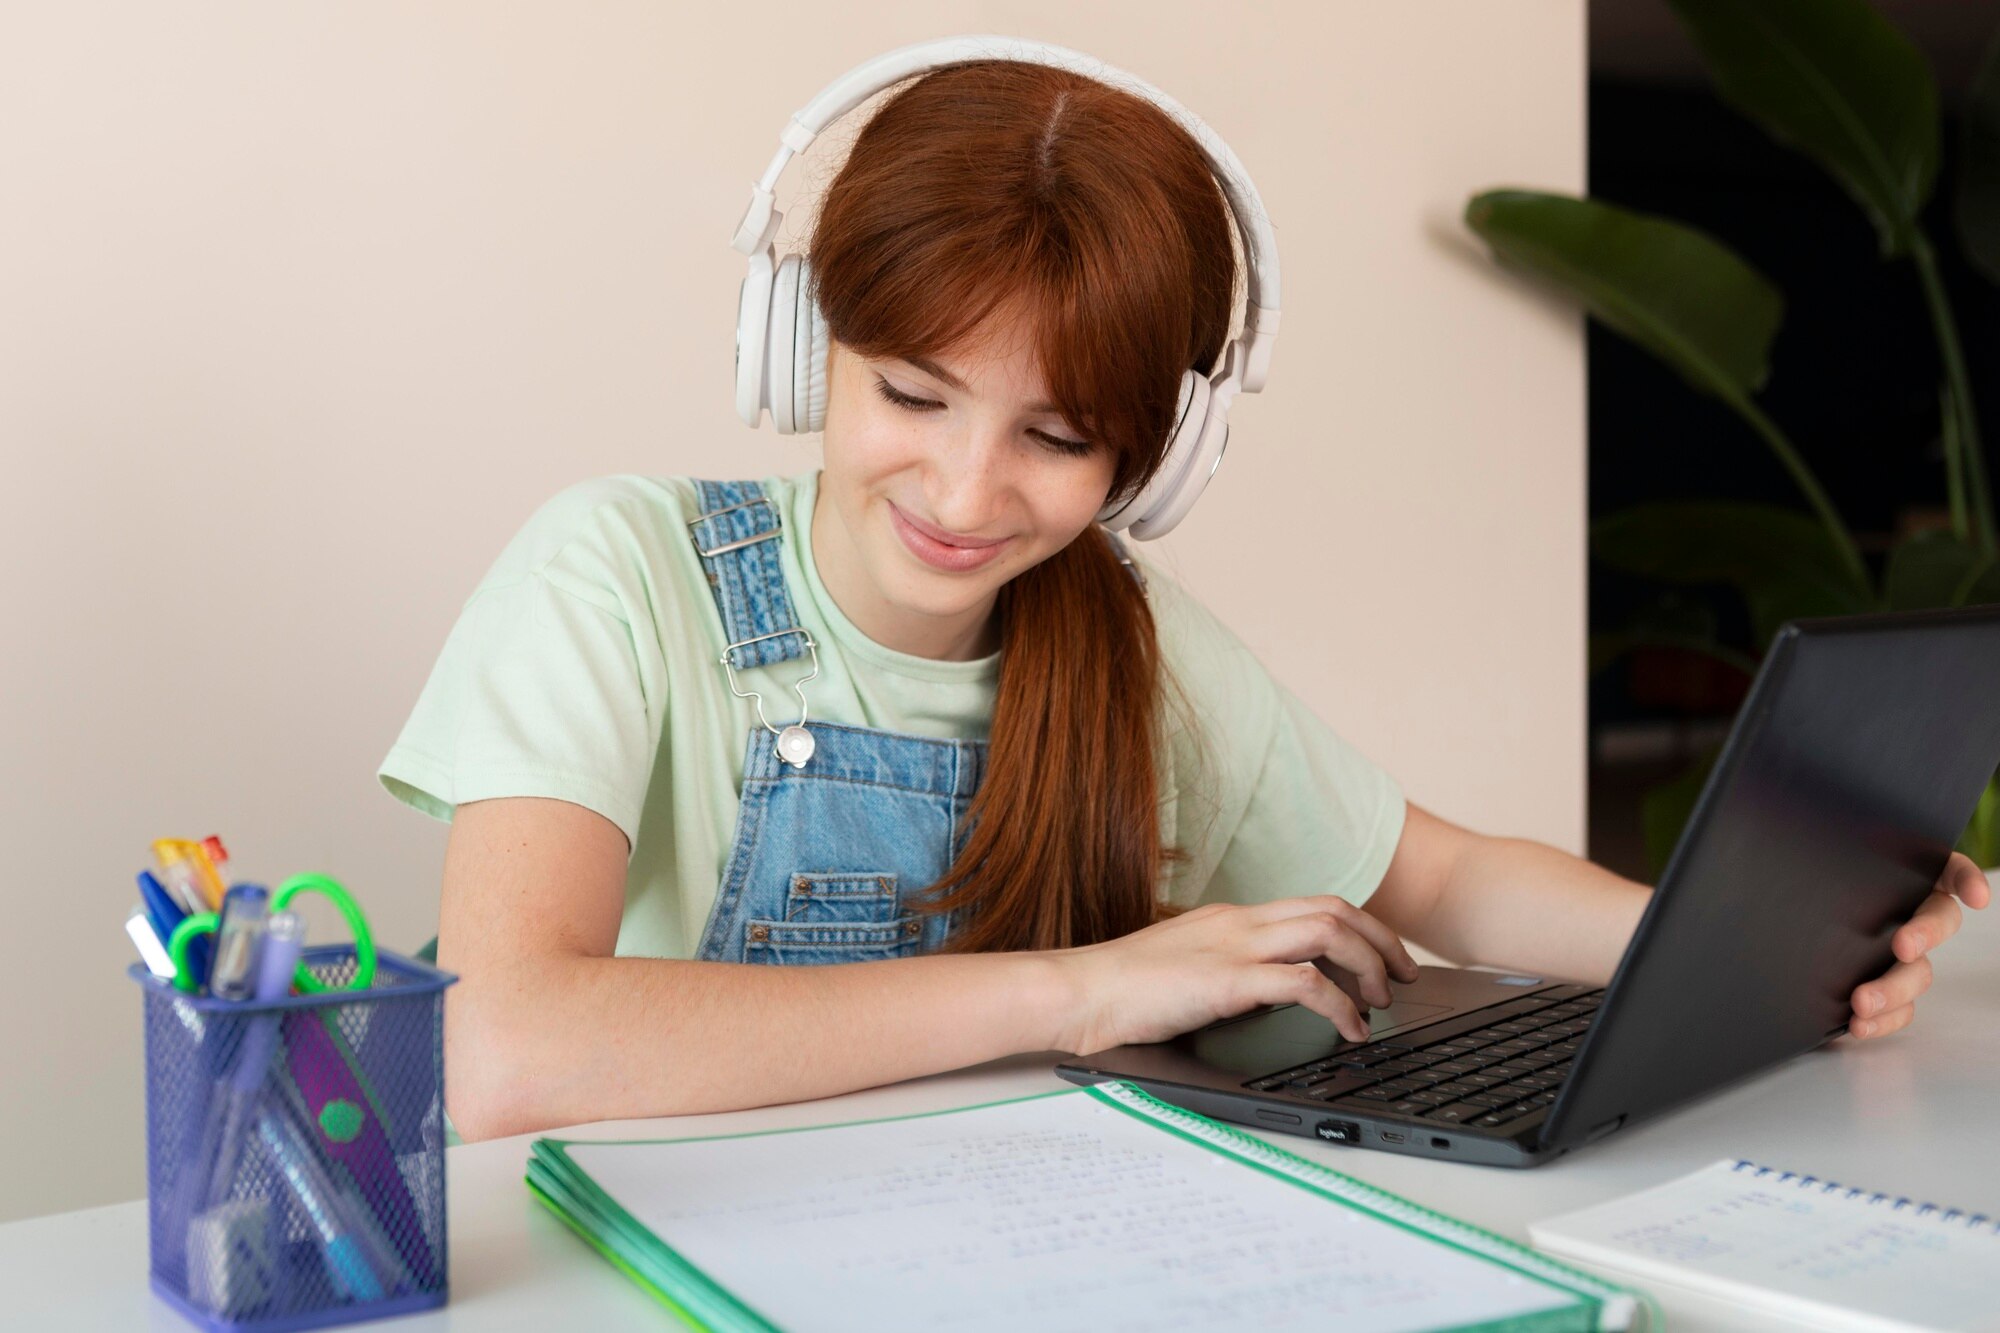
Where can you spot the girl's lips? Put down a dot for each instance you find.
(924, 543)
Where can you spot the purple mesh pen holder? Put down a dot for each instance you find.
(295, 1148)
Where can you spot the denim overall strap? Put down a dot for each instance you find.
(737, 536)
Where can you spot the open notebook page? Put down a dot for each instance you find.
(1037, 1213)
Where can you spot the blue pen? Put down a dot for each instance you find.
(346, 1260)
(351, 1212)
(165, 914)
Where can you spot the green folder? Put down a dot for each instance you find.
(1037, 1211)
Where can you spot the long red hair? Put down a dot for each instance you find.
(995, 181)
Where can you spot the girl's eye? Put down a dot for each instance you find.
(901, 399)
(1062, 445)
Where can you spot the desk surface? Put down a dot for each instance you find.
(1907, 1113)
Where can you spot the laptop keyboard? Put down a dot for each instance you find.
(1488, 1068)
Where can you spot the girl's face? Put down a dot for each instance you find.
(943, 480)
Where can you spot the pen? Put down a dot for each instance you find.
(346, 1261)
(284, 936)
(231, 1265)
(238, 937)
(160, 906)
(351, 1212)
(165, 914)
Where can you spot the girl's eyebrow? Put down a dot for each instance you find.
(932, 368)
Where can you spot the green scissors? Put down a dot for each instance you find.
(205, 923)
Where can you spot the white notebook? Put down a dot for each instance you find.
(1095, 1208)
(1796, 1246)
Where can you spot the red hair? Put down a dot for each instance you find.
(992, 182)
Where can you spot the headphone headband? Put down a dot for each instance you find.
(1249, 355)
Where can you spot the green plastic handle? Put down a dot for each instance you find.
(364, 939)
(201, 923)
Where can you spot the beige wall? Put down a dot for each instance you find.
(304, 307)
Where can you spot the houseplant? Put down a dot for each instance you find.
(1841, 85)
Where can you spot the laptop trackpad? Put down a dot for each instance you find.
(1289, 1036)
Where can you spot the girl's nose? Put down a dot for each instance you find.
(969, 479)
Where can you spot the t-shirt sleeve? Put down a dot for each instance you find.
(1321, 818)
(541, 689)
(1269, 800)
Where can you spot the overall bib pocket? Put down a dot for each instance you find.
(840, 898)
(834, 917)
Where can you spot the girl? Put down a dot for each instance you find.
(1040, 800)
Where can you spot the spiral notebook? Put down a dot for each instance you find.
(1797, 1247)
(1094, 1207)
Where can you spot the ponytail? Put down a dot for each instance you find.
(1065, 829)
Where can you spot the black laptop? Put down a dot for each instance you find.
(1852, 768)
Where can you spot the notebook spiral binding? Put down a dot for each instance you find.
(1896, 1202)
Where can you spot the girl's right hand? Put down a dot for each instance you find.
(1220, 960)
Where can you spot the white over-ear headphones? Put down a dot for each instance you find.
(781, 341)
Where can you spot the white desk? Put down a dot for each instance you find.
(1910, 1113)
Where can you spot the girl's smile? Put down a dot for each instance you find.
(944, 550)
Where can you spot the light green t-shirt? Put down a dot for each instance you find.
(585, 667)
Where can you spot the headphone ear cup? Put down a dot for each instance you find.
(753, 320)
(781, 340)
(1161, 488)
(809, 357)
(1203, 459)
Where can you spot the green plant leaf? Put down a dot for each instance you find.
(1782, 562)
(1681, 295)
(1976, 209)
(1677, 292)
(1928, 570)
(1838, 82)
(1664, 811)
(1984, 588)
(1981, 839)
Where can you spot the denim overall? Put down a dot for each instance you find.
(827, 855)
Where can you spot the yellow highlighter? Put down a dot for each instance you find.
(188, 872)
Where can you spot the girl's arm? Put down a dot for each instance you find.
(1506, 902)
(546, 1028)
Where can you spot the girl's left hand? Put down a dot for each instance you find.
(1889, 1001)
